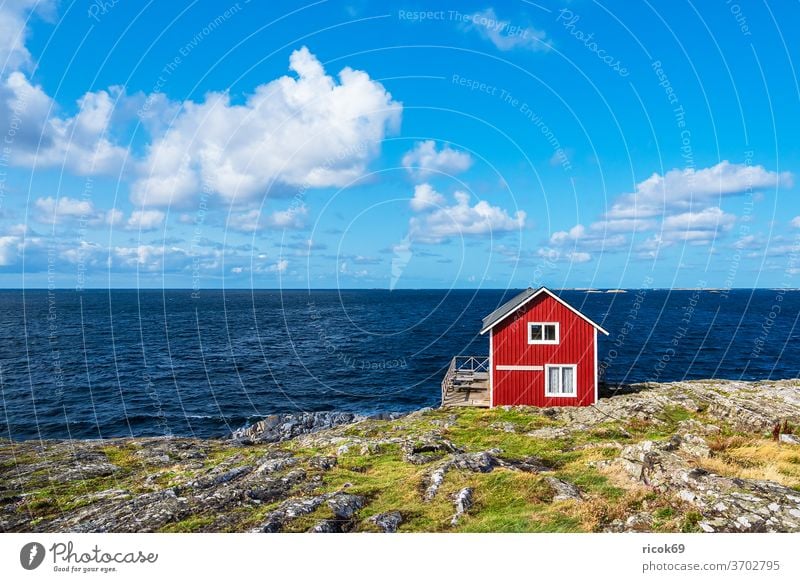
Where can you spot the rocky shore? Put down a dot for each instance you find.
(705, 456)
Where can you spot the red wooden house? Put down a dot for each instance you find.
(543, 352)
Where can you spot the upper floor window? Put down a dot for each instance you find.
(543, 333)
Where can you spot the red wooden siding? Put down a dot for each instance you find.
(510, 348)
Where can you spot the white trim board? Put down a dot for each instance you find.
(491, 369)
(596, 379)
(520, 368)
(554, 296)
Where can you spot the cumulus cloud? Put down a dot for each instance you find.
(576, 244)
(143, 220)
(42, 138)
(578, 235)
(293, 218)
(681, 206)
(279, 267)
(693, 228)
(424, 159)
(682, 189)
(307, 130)
(708, 221)
(155, 258)
(504, 34)
(10, 249)
(796, 222)
(462, 219)
(14, 15)
(50, 210)
(559, 255)
(425, 197)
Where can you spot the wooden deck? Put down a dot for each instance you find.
(466, 382)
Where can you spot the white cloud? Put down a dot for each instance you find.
(36, 133)
(559, 255)
(579, 235)
(145, 220)
(14, 15)
(307, 131)
(424, 160)
(304, 248)
(114, 217)
(249, 221)
(51, 209)
(579, 257)
(163, 258)
(578, 243)
(796, 222)
(461, 219)
(709, 221)
(626, 225)
(43, 139)
(682, 206)
(293, 218)
(691, 228)
(504, 34)
(680, 189)
(9, 250)
(64, 209)
(279, 267)
(425, 198)
(749, 242)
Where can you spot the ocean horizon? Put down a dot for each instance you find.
(137, 362)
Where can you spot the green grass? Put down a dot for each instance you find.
(504, 500)
(190, 524)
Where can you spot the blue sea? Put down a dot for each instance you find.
(150, 362)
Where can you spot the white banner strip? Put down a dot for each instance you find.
(370, 557)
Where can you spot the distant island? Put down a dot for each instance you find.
(699, 456)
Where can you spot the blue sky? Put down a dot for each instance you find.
(405, 145)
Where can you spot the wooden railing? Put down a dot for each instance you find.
(463, 364)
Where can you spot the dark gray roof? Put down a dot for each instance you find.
(507, 308)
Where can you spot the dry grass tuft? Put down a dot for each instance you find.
(756, 459)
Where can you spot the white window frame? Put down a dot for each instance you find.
(544, 341)
(547, 391)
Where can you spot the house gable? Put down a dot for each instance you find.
(520, 301)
